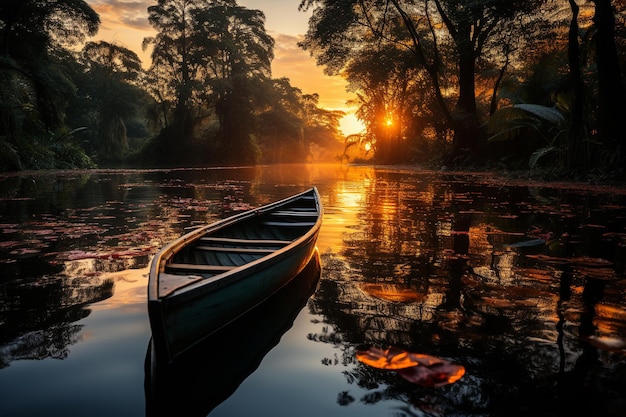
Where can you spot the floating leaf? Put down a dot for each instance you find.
(418, 368)
(392, 358)
(551, 260)
(432, 372)
(498, 302)
(393, 292)
(603, 274)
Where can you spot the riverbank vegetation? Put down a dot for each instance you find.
(506, 84)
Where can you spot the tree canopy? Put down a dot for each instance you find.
(437, 82)
(35, 89)
(469, 59)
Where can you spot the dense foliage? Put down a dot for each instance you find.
(35, 87)
(454, 74)
(513, 84)
(207, 97)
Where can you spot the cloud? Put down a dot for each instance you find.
(129, 13)
(124, 22)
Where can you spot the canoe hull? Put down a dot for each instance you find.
(185, 317)
(207, 374)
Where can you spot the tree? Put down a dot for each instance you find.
(611, 91)
(291, 126)
(34, 86)
(174, 61)
(280, 122)
(393, 101)
(111, 72)
(30, 33)
(576, 157)
(209, 55)
(29, 28)
(337, 26)
(240, 62)
(322, 137)
(590, 94)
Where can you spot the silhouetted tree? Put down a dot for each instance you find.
(174, 63)
(111, 71)
(34, 85)
(280, 123)
(238, 61)
(337, 27)
(611, 90)
(209, 55)
(291, 126)
(576, 156)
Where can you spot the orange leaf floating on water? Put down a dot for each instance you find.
(436, 374)
(392, 292)
(392, 358)
(418, 368)
(498, 302)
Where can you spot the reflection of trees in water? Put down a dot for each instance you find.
(355, 318)
(484, 302)
(52, 342)
(36, 317)
(94, 267)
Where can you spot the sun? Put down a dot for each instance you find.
(389, 121)
(351, 125)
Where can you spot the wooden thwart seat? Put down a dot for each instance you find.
(217, 269)
(251, 242)
(235, 249)
(289, 224)
(295, 214)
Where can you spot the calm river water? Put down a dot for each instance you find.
(521, 284)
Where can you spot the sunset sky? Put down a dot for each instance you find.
(126, 22)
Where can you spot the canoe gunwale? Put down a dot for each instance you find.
(214, 283)
(291, 258)
(158, 264)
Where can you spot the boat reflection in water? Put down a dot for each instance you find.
(210, 372)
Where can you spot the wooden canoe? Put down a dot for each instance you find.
(207, 374)
(209, 277)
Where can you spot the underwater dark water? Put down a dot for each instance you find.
(522, 284)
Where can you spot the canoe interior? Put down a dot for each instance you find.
(209, 277)
(244, 242)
